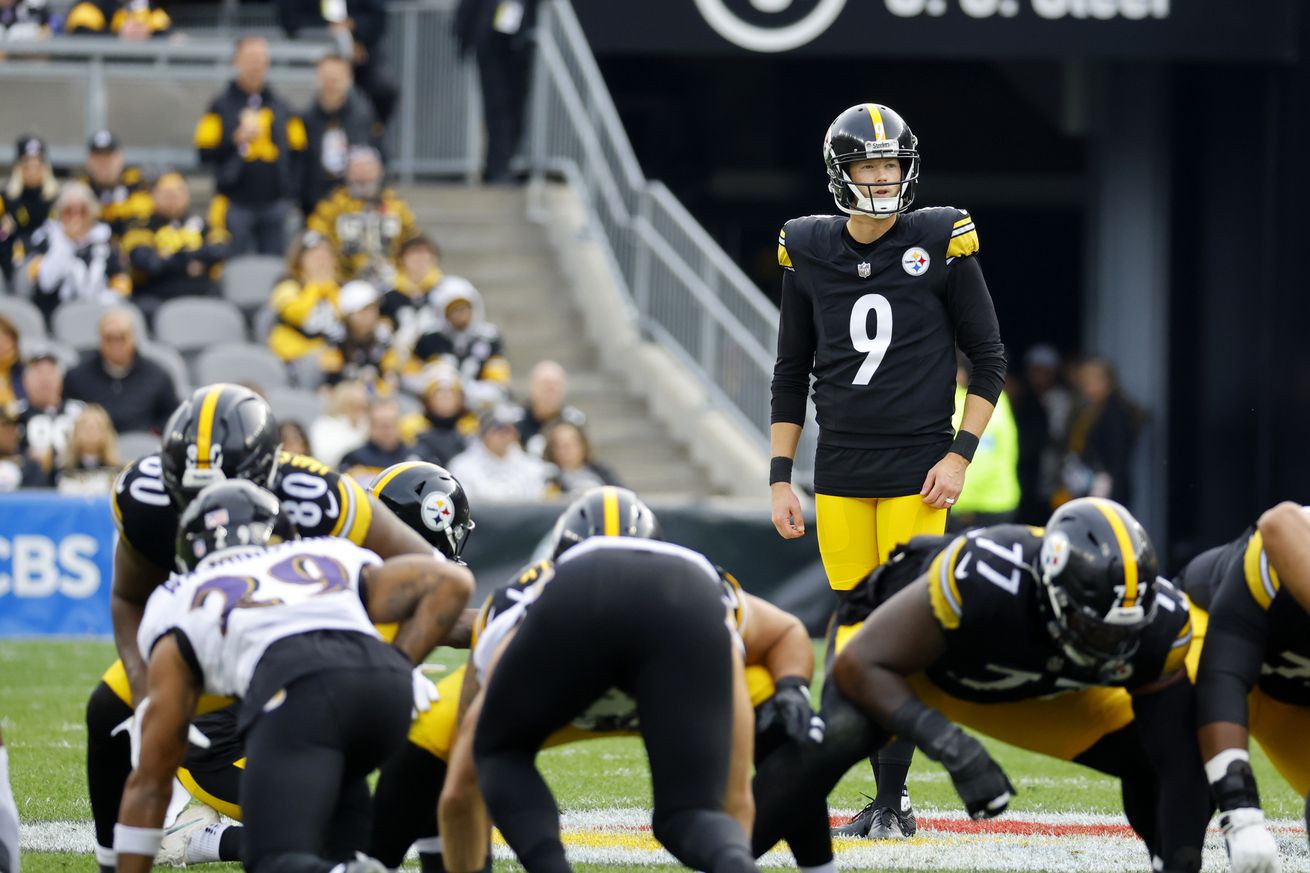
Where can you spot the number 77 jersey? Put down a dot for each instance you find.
(881, 322)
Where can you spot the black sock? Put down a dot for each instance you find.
(230, 843)
(893, 765)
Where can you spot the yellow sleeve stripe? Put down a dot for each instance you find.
(943, 593)
(480, 623)
(1177, 658)
(968, 219)
(962, 229)
(1261, 579)
(209, 131)
(784, 259)
(963, 245)
(356, 511)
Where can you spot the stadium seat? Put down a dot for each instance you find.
(67, 356)
(25, 316)
(248, 280)
(136, 444)
(408, 403)
(262, 324)
(172, 362)
(77, 323)
(240, 362)
(293, 404)
(192, 324)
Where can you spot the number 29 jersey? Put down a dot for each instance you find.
(877, 326)
(320, 502)
(235, 605)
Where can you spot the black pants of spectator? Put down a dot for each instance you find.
(258, 229)
(503, 66)
(374, 79)
(304, 795)
(662, 640)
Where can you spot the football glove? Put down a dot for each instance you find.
(425, 693)
(1251, 848)
(791, 710)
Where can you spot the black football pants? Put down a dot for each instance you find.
(663, 641)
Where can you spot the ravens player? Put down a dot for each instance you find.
(287, 626)
(1060, 641)
(874, 303)
(1254, 673)
(221, 432)
(779, 662)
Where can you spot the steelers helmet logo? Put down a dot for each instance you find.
(770, 25)
(915, 261)
(1055, 554)
(436, 511)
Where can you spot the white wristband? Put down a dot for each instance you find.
(129, 840)
(1217, 767)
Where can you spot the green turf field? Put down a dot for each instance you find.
(44, 686)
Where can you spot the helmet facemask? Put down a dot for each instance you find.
(856, 198)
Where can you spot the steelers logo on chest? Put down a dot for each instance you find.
(436, 511)
(915, 261)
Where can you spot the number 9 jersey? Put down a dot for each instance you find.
(319, 501)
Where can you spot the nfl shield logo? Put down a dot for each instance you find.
(864, 270)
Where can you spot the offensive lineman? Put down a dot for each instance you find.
(874, 302)
(222, 431)
(1060, 641)
(287, 626)
(1253, 679)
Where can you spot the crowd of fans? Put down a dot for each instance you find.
(402, 355)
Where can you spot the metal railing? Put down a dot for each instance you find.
(684, 289)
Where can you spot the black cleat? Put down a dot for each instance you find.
(881, 823)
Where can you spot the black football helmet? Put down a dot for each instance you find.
(430, 500)
(226, 515)
(867, 132)
(220, 432)
(1098, 569)
(606, 511)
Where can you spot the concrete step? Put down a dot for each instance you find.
(498, 266)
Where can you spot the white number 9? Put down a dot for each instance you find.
(874, 347)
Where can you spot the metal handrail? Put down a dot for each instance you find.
(206, 49)
(683, 288)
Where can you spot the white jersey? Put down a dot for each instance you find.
(240, 601)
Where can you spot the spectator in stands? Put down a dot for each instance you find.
(1042, 368)
(569, 450)
(441, 431)
(366, 221)
(133, 20)
(17, 470)
(74, 256)
(499, 35)
(467, 341)
(294, 437)
(92, 460)
(120, 190)
(338, 119)
(24, 19)
(26, 201)
(174, 253)
(383, 447)
(495, 467)
(254, 145)
(11, 364)
(407, 305)
(137, 393)
(991, 493)
(364, 354)
(46, 416)
(306, 301)
(358, 27)
(548, 387)
(1103, 431)
(344, 427)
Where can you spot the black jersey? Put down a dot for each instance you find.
(878, 324)
(320, 502)
(1248, 601)
(984, 592)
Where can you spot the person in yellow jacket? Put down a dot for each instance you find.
(307, 301)
(991, 493)
(366, 222)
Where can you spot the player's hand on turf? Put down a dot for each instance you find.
(1251, 848)
(787, 515)
(942, 486)
(980, 781)
(425, 693)
(791, 710)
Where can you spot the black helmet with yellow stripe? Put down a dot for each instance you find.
(222, 431)
(430, 500)
(870, 132)
(1098, 569)
(606, 511)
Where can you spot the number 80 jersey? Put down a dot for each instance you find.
(320, 502)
